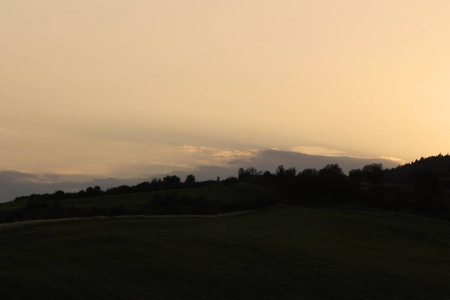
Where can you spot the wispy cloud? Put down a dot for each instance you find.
(21, 177)
(205, 162)
(317, 150)
(395, 159)
(205, 155)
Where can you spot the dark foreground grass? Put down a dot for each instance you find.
(284, 253)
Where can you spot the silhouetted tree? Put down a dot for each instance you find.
(190, 179)
(267, 174)
(333, 183)
(142, 187)
(291, 172)
(280, 171)
(309, 173)
(59, 194)
(95, 191)
(230, 180)
(331, 171)
(123, 189)
(373, 173)
(172, 181)
(245, 174)
(355, 174)
(156, 183)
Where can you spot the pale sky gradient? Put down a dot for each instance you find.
(126, 87)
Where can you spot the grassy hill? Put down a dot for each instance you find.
(282, 253)
(209, 199)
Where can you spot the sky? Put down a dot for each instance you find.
(96, 89)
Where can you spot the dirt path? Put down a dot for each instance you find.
(47, 221)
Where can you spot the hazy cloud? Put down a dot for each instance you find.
(117, 93)
(315, 150)
(14, 184)
(217, 156)
(272, 158)
(208, 163)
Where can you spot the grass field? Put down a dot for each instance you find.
(282, 253)
(213, 192)
(215, 198)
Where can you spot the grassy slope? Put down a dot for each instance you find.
(214, 192)
(298, 253)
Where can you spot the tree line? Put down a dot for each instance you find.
(420, 187)
(167, 182)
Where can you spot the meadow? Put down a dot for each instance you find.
(287, 252)
(209, 199)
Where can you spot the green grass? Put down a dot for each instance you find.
(284, 253)
(214, 192)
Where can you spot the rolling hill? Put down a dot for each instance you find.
(282, 253)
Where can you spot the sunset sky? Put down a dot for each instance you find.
(128, 88)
